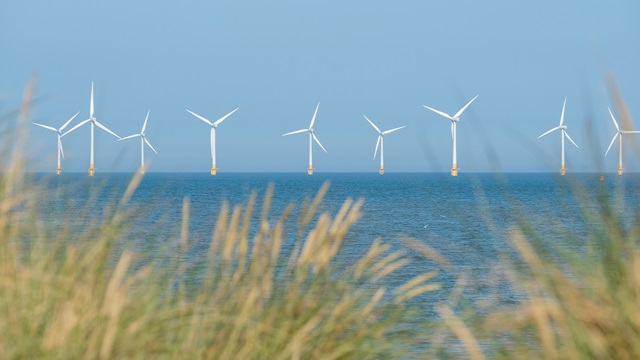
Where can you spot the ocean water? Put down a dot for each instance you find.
(467, 218)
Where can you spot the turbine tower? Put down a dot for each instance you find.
(312, 137)
(380, 142)
(454, 119)
(213, 125)
(95, 122)
(563, 133)
(59, 132)
(618, 134)
(143, 140)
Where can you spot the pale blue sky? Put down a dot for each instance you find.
(277, 59)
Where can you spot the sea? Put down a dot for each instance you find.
(468, 219)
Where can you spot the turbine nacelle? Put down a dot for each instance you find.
(618, 134)
(454, 119)
(312, 137)
(381, 134)
(563, 134)
(213, 125)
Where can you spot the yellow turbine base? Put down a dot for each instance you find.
(92, 171)
(454, 170)
(142, 169)
(310, 171)
(213, 170)
(562, 170)
(620, 170)
(381, 170)
(58, 171)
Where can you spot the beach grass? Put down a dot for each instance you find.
(572, 305)
(66, 294)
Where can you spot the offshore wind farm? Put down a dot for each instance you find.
(454, 119)
(472, 231)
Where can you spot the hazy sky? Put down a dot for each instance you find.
(277, 59)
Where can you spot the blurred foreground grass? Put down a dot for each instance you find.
(86, 295)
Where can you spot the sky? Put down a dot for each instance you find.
(276, 60)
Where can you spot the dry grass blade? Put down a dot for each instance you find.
(462, 332)
(76, 294)
(427, 252)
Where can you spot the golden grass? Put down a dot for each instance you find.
(86, 295)
(575, 306)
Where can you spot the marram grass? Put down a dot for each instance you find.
(90, 297)
(574, 306)
(70, 295)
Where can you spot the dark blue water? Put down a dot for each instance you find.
(466, 218)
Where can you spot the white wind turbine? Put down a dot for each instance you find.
(312, 137)
(213, 125)
(619, 134)
(143, 140)
(95, 122)
(564, 133)
(59, 132)
(454, 119)
(380, 142)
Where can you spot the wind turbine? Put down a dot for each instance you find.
(312, 137)
(143, 140)
(563, 134)
(380, 142)
(619, 134)
(213, 125)
(93, 121)
(59, 131)
(454, 119)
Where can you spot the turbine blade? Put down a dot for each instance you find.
(630, 132)
(569, 137)
(554, 129)
(614, 119)
(452, 129)
(375, 153)
(296, 132)
(313, 119)
(612, 141)
(105, 129)
(77, 126)
(562, 115)
(60, 144)
(144, 126)
(457, 115)
(91, 105)
(200, 117)
(46, 127)
(318, 141)
(148, 143)
(68, 121)
(129, 137)
(372, 124)
(224, 117)
(392, 130)
(439, 112)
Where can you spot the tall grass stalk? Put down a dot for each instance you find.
(251, 294)
(65, 294)
(574, 306)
